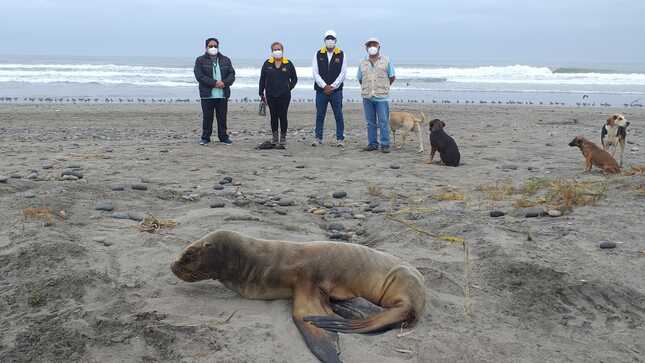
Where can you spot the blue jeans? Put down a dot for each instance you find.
(377, 113)
(336, 100)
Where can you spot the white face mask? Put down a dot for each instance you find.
(330, 43)
(372, 50)
(212, 51)
(277, 54)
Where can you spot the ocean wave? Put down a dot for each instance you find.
(415, 76)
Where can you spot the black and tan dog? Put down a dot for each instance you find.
(442, 142)
(613, 135)
(595, 156)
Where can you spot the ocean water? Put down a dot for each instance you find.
(40, 79)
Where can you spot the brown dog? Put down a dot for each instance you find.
(595, 156)
(406, 122)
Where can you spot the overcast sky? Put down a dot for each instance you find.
(435, 31)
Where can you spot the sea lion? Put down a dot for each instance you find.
(335, 287)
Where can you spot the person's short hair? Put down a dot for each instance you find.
(211, 40)
(277, 43)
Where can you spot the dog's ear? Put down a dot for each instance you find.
(443, 124)
(611, 120)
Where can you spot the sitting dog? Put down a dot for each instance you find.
(613, 135)
(406, 122)
(442, 142)
(595, 156)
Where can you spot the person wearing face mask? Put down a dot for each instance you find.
(277, 79)
(376, 75)
(329, 70)
(215, 74)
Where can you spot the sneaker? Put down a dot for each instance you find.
(340, 143)
(227, 142)
(316, 142)
(370, 148)
(385, 149)
(204, 142)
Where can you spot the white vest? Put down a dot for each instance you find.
(375, 78)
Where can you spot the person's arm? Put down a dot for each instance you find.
(343, 73)
(390, 72)
(230, 77)
(202, 77)
(293, 77)
(263, 80)
(314, 67)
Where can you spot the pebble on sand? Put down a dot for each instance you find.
(117, 187)
(393, 166)
(554, 213)
(70, 177)
(335, 227)
(509, 167)
(120, 215)
(218, 187)
(534, 212)
(136, 216)
(281, 211)
(607, 244)
(3, 179)
(340, 236)
(29, 195)
(497, 213)
(104, 205)
(139, 186)
(226, 180)
(286, 202)
(73, 172)
(339, 195)
(218, 205)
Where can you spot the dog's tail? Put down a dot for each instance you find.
(423, 117)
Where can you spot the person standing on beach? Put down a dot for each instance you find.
(215, 74)
(376, 75)
(329, 70)
(277, 79)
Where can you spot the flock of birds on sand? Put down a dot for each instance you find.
(138, 100)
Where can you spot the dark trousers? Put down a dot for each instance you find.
(278, 108)
(336, 100)
(218, 107)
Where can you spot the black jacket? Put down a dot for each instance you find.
(204, 74)
(277, 81)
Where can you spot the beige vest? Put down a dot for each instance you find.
(375, 80)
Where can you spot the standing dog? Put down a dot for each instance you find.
(613, 135)
(595, 156)
(442, 142)
(406, 122)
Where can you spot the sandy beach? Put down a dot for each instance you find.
(81, 281)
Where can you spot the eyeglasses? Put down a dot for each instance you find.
(212, 46)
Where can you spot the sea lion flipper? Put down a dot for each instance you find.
(356, 308)
(322, 343)
(376, 323)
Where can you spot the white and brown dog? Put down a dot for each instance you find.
(613, 135)
(406, 122)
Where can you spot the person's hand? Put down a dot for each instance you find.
(263, 99)
(328, 90)
(219, 84)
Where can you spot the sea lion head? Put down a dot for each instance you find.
(577, 141)
(199, 260)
